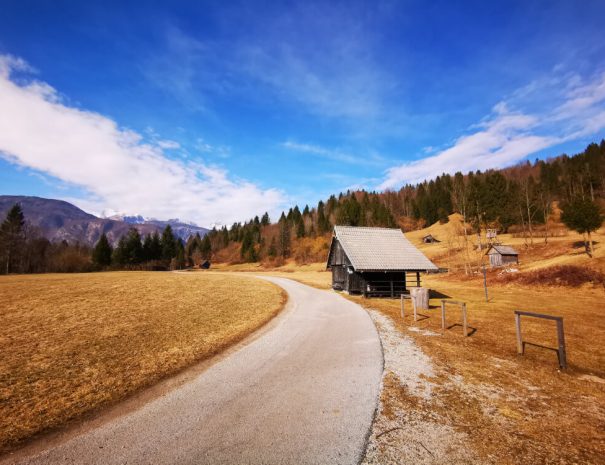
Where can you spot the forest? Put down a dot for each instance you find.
(516, 199)
(519, 198)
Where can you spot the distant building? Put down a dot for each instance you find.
(374, 261)
(430, 239)
(502, 255)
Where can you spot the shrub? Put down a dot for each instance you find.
(563, 275)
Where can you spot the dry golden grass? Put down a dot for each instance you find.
(73, 343)
(516, 409)
(313, 274)
(564, 250)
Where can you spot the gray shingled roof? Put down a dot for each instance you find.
(503, 250)
(373, 249)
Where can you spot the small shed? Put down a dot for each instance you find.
(205, 265)
(374, 261)
(430, 239)
(502, 255)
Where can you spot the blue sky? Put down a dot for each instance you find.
(214, 113)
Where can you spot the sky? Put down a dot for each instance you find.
(213, 112)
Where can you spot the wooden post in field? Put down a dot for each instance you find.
(561, 339)
(519, 338)
(485, 283)
(402, 307)
(464, 328)
(443, 315)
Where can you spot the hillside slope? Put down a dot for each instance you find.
(58, 220)
(566, 249)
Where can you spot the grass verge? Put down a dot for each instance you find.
(71, 344)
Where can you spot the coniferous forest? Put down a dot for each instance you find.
(518, 198)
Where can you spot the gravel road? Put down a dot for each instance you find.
(304, 392)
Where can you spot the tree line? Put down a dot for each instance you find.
(24, 250)
(522, 196)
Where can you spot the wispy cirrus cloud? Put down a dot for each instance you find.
(371, 159)
(116, 166)
(318, 58)
(575, 109)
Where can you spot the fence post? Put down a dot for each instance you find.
(402, 307)
(561, 340)
(519, 339)
(464, 329)
(443, 315)
(414, 305)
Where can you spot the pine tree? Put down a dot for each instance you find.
(12, 239)
(120, 255)
(265, 221)
(300, 228)
(168, 244)
(179, 258)
(101, 254)
(134, 248)
(206, 248)
(323, 225)
(284, 239)
(155, 250)
(147, 246)
(272, 252)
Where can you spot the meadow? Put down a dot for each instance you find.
(74, 343)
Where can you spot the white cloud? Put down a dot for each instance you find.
(115, 165)
(506, 137)
(168, 144)
(331, 154)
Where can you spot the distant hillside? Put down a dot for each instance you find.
(58, 220)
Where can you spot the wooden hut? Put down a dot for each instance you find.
(375, 261)
(502, 255)
(430, 239)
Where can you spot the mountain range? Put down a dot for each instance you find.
(58, 220)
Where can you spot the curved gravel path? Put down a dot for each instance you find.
(304, 392)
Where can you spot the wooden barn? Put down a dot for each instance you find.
(502, 255)
(375, 261)
(430, 239)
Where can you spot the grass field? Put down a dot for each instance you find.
(73, 343)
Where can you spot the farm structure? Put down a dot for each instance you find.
(375, 261)
(502, 255)
(430, 239)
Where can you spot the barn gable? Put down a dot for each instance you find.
(377, 249)
(374, 261)
(502, 255)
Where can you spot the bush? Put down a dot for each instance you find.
(563, 275)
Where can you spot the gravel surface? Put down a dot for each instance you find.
(304, 392)
(406, 430)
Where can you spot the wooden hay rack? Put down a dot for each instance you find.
(561, 353)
